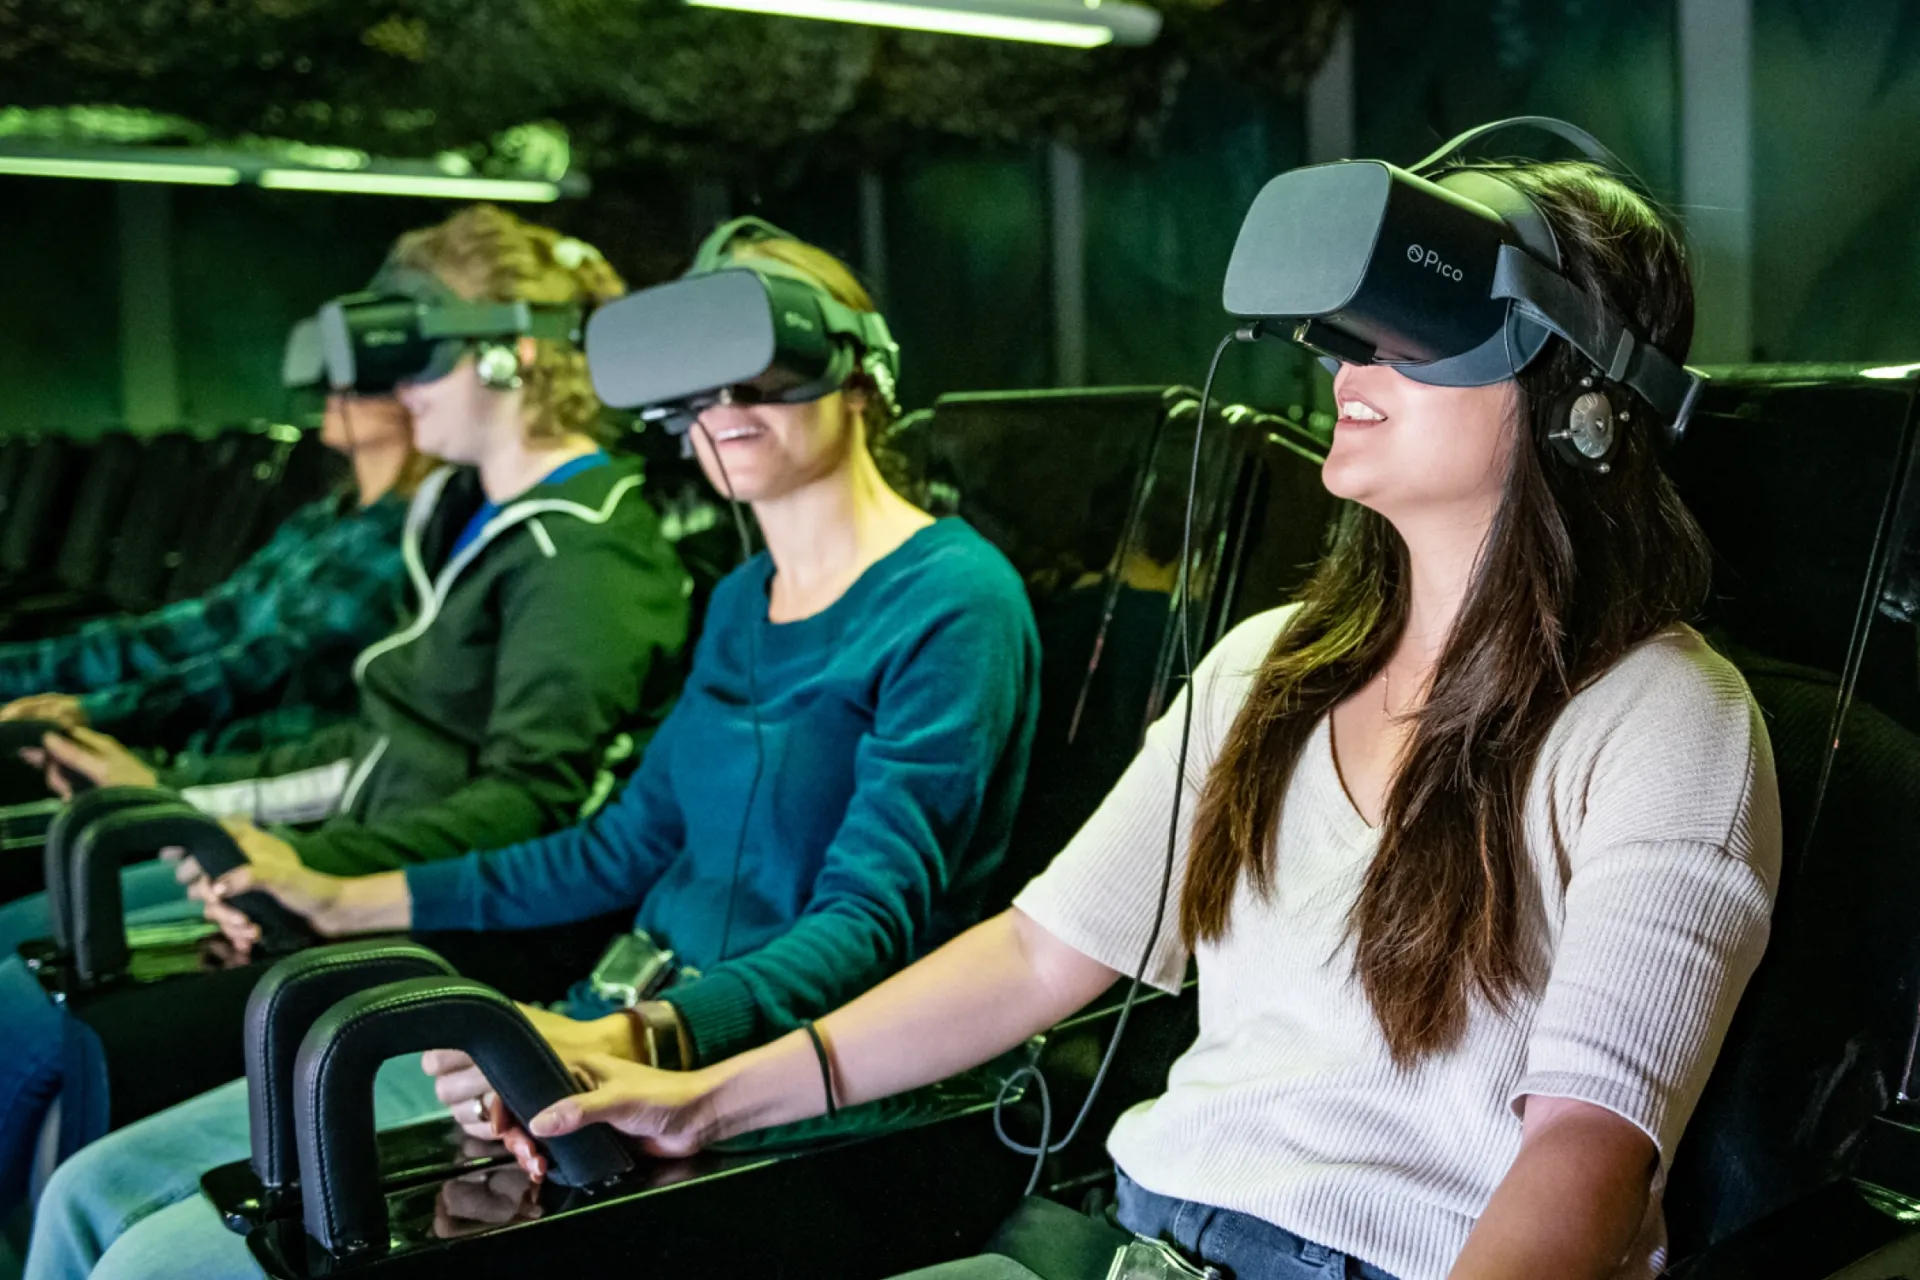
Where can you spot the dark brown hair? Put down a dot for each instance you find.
(1577, 568)
(485, 253)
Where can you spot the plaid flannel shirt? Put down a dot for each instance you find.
(265, 657)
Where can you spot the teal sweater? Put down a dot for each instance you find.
(893, 735)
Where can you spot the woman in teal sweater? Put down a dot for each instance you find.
(825, 804)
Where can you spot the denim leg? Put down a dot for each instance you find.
(133, 1198)
(185, 1240)
(1251, 1248)
(148, 895)
(30, 1074)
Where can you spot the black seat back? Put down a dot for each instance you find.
(169, 494)
(99, 514)
(14, 452)
(1801, 487)
(259, 474)
(36, 517)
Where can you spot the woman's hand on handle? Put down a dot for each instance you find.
(670, 1113)
(983, 993)
(94, 756)
(333, 905)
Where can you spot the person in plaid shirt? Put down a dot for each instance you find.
(264, 658)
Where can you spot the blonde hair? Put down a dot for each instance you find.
(486, 254)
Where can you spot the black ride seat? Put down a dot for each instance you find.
(1797, 481)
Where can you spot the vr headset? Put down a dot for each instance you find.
(1448, 274)
(408, 326)
(753, 332)
(303, 365)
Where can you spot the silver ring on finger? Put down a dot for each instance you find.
(479, 1110)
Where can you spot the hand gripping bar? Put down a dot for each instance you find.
(99, 929)
(343, 1206)
(17, 735)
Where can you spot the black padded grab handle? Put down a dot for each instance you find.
(67, 825)
(93, 880)
(281, 929)
(288, 1001)
(343, 1205)
(18, 735)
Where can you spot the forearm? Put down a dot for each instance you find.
(365, 904)
(1569, 1207)
(980, 995)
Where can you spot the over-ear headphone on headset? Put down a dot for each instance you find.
(498, 364)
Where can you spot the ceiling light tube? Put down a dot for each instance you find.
(1891, 371)
(407, 184)
(199, 175)
(1060, 22)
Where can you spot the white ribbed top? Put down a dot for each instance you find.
(1650, 916)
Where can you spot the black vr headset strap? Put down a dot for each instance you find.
(1598, 333)
(1594, 149)
(712, 253)
(501, 320)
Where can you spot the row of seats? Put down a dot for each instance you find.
(1086, 493)
(1801, 1159)
(127, 523)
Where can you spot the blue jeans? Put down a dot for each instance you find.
(33, 1064)
(130, 1204)
(1248, 1248)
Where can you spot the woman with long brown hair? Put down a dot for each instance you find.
(1483, 849)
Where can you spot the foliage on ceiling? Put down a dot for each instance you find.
(633, 83)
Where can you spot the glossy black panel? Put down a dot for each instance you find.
(1801, 479)
(869, 1207)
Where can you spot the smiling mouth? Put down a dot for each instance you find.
(733, 435)
(1359, 413)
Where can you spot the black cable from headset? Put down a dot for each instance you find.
(753, 694)
(353, 444)
(1183, 585)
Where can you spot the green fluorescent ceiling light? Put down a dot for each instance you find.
(199, 175)
(406, 184)
(1083, 24)
(1891, 371)
(214, 168)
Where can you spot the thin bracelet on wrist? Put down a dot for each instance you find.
(826, 1066)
